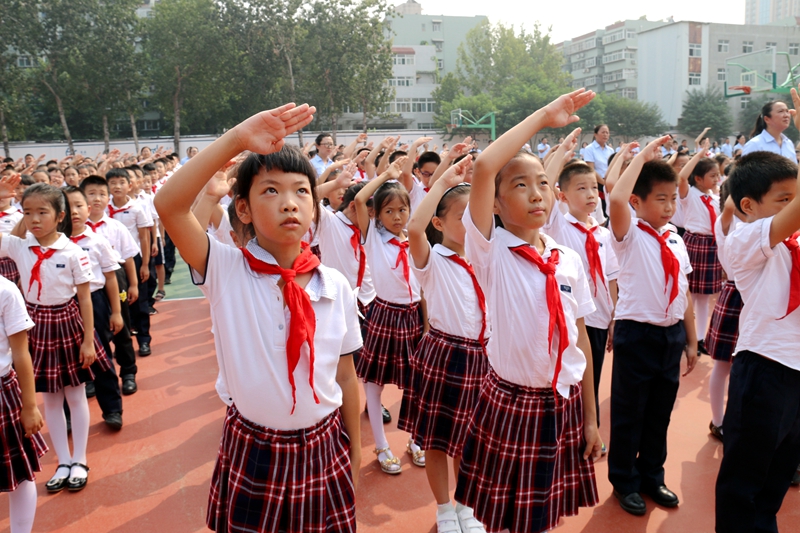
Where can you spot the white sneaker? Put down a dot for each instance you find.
(467, 521)
(447, 522)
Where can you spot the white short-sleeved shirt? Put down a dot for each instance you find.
(543, 150)
(150, 207)
(641, 277)
(10, 219)
(390, 285)
(223, 232)
(599, 157)
(726, 149)
(453, 306)
(516, 299)
(765, 142)
(60, 274)
(560, 228)
(416, 195)
(118, 236)
(722, 244)
(334, 234)
(13, 319)
(134, 216)
(102, 256)
(251, 327)
(762, 276)
(320, 165)
(696, 217)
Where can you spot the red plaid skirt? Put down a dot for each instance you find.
(522, 467)
(706, 275)
(269, 480)
(724, 331)
(20, 455)
(8, 269)
(55, 344)
(393, 332)
(447, 377)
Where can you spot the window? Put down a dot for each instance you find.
(695, 50)
(694, 78)
(631, 34)
(744, 102)
(439, 45)
(426, 126)
(402, 81)
(722, 45)
(614, 37)
(619, 56)
(403, 59)
(592, 61)
(24, 61)
(422, 105)
(721, 74)
(747, 47)
(794, 49)
(629, 92)
(591, 81)
(623, 74)
(772, 46)
(436, 25)
(150, 125)
(440, 64)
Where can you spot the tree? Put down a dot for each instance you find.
(373, 69)
(748, 116)
(632, 118)
(705, 108)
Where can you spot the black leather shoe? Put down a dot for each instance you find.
(129, 385)
(701, 347)
(57, 484)
(387, 416)
(113, 420)
(144, 349)
(663, 496)
(91, 392)
(796, 477)
(78, 483)
(632, 503)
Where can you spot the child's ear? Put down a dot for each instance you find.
(561, 197)
(437, 223)
(243, 211)
(747, 205)
(496, 208)
(635, 202)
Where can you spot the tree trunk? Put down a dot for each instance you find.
(334, 125)
(176, 121)
(135, 132)
(63, 117)
(4, 131)
(364, 113)
(106, 135)
(294, 95)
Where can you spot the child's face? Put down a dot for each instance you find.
(524, 197)
(147, 185)
(659, 206)
(709, 181)
(119, 189)
(79, 209)
(19, 191)
(83, 172)
(680, 162)
(778, 197)
(425, 172)
(41, 177)
(394, 215)
(72, 177)
(153, 176)
(450, 223)
(581, 193)
(40, 217)
(160, 169)
(98, 198)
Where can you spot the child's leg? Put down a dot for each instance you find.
(436, 470)
(373, 393)
(597, 340)
(22, 507)
(717, 386)
(57, 426)
(161, 274)
(79, 410)
(702, 312)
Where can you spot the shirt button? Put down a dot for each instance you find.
(280, 327)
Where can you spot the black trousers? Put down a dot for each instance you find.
(597, 340)
(644, 384)
(169, 254)
(106, 382)
(123, 343)
(140, 309)
(762, 444)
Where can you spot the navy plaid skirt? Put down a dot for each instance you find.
(20, 455)
(55, 345)
(522, 467)
(724, 330)
(270, 480)
(706, 276)
(8, 269)
(448, 376)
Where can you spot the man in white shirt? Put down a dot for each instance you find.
(543, 148)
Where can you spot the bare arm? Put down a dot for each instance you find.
(407, 176)
(112, 291)
(363, 196)
(564, 151)
(448, 158)
(612, 175)
(30, 416)
(691, 335)
(350, 409)
(591, 435)
(683, 177)
(88, 354)
(133, 281)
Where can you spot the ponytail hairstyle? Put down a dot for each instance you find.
(761, 125)
(57, 199)
(350, 195)
(703, 167)
(434, 235)
(724, 192)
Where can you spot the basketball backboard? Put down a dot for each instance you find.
(750, 73)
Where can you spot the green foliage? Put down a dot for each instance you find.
(705, 108)
(748, 115)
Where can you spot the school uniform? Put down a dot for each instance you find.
(158, 259)
(49, 287)
(300, 438)
(20, 455)
(8, 219)
(600, 267)
(649, 338)
(522, 466)
(700, 213)
(451, 362)
(723, 332)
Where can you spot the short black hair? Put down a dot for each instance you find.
(756, 172)
(653, 172)
(428, 157)
(395, 155)
(94, 180)
(27, 179)
(570, 171)
(118, 173)
(149, 167)
(321, 137)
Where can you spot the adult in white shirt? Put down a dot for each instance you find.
(768, 134)
(190, 153)
(726, 148)
(596, 154)
(741, 139)
(543, 148)
(322, 160)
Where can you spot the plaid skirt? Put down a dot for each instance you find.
(724, 330)
(270, 480)
(55, 345)
(8, 269)
(393, 332)
(20, 455)
(522, 467)
(447, 379)
(706, 275)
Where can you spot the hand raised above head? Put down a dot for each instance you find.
(560, 112)
(264, 132)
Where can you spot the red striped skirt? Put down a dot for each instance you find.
(522, 466)
(448, 376)
(706, 275)
(20, 455)
(724, 330)
(393, 332)
(272, 480)
(8, 269)
(55, 345)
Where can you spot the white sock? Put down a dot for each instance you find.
(22, 507)
(701, 313)
(717, 387)
(444, 508)
(79, 412)
(414, 447)
(373, 392)
(57, 426)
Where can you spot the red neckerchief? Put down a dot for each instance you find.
(794, 274)
(303, 323)
(358, 250)
(554, 305)
(481, 298)
(4, 214)
(95, 225)
(112, 211)
(706, 199)
(78, 238)
(672, 267)
(36, 271)
(592, 254)
(402, 257)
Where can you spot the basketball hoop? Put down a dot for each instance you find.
(743, 88)
(450, 128)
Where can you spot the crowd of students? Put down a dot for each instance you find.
(488, 286)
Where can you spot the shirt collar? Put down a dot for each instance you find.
(341, 216)
(320, 286)
(512, 241)
(127, 205)
(768, 138)
(60, 243)
(443, 250)
(666, 227)
(571, 219)
(386, 235)
(11, 210)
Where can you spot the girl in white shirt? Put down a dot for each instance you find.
(287, 327)
(395, 320)
(451, 358)
(53, 271)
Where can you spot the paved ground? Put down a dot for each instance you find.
(153, 476)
